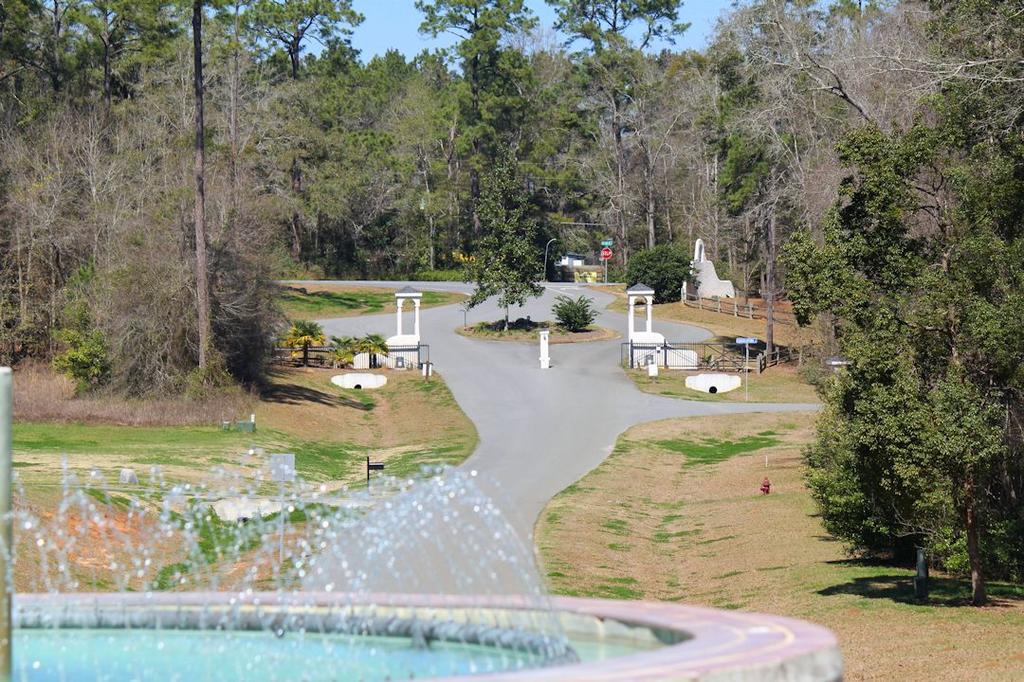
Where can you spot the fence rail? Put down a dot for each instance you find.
(777, 357)
(720, 357)
(324, 356)
(736, 309)
(679, 355)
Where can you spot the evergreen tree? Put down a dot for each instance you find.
(492, 101)
(507, 263)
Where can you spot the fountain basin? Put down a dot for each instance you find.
(312, 636)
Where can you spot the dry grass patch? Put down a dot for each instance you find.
(42, 395)
(675, 514)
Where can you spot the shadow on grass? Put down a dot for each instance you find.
(900, 588)
(293, 394)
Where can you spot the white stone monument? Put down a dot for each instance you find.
(410, 358)
(545, 356)
(705, 277)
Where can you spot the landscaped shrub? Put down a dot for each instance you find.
(85, 359)
(574, 314)
(663, 268)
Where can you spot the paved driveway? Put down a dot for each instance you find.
(540, 430)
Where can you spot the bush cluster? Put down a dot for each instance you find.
(574, 314)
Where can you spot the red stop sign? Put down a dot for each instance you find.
(606, 253)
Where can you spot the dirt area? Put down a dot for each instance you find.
(675, 514)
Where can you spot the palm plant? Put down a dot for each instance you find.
(303, 334)
(373, 344)
(346, 348)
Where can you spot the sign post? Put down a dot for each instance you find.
(745, 341)
(606, 255)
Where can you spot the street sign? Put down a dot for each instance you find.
(746, 342)
(606, 242)
(606, 253)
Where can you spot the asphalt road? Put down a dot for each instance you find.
(540, 430)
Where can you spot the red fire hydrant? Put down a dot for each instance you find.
(766, 486)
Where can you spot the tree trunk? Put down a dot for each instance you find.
(233, 114)
(769, 288)
(106, 78)
(620, 185)
(293, 58)
(978, 595)
(431, 233)
(202, 276)
(474, 173)
(296, 175)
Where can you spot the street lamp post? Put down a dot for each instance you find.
(550, 242)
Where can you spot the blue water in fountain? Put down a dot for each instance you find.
(60, 655)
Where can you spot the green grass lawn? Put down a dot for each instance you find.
(325, 301)
(41, 446)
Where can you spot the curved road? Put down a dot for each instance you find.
(540, 430)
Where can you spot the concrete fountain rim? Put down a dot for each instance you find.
(716, 644)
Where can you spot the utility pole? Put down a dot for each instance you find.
(6, 546)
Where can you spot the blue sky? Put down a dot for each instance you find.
(395, 24)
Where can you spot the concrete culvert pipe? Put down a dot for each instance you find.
(359, 380)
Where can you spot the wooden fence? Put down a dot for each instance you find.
(777, 357)
(737, 309)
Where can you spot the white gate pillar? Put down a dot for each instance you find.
(398, 316)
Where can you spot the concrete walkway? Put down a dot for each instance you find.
(540, 430)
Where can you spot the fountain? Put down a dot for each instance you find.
(418, 577)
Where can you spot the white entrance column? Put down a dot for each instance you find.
(416, 319)
(634, 294)
(545, 357)
(398, 316)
